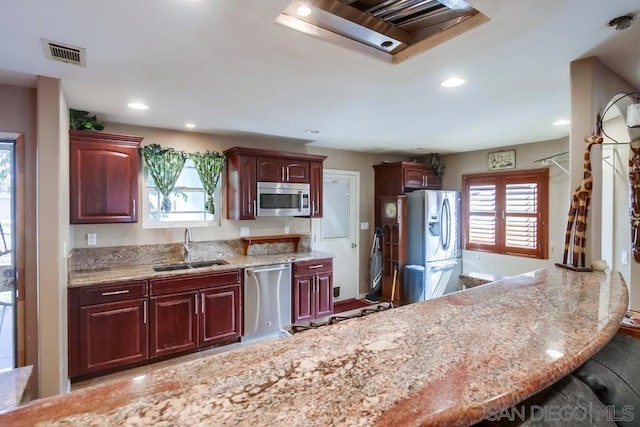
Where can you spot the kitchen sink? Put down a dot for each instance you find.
(188, 265)
(199, 264)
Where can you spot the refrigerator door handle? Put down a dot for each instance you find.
(445, 224)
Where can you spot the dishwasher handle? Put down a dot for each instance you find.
(264, 270)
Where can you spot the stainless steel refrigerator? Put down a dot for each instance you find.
(434, 239)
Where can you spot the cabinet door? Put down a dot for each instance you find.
(220, 319)
(324, 294)
(315, 179)
(303, 298)
(414, 177)
(103, 182)
(173, 323)
(271, 169)
(113, 334)
(296, 171)
(248, 189)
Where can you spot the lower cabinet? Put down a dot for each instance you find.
(119, 325)
(107, 327)
(312, 290)
(208, 313)
(174, 324)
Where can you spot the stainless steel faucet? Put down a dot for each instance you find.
(186, 244)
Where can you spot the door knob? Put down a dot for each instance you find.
(353, 245)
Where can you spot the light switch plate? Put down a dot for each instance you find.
(92, 239)
(286, 229)
(624, 257)
(364, 226)
(244, 231)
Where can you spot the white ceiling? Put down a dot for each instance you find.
(226, 66)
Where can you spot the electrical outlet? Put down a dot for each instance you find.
(244, 231)
(286, 229)
(92, 239)
(624, 257)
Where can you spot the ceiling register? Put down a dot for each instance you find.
(400, 29)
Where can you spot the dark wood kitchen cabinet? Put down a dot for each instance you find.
(248, 166)
(312, 293)
(107, 327)
(174, 321)
(241, 186)
(194, 311)
(315, 181)
(277, 169)
(103, 177)
(394, 179)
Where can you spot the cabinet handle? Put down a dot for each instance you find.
(282, 173)
(313, 206)
(313, 267)
(255, 208)
(144, 305)
(287, 173)
(196, 305)
(124, 291)
(202, 304)
(134, 208)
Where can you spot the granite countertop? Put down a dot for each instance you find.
(12, 387)
(453, 360)
(138, 272)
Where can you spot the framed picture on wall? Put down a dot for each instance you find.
(502, 160)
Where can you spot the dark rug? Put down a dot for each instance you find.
(351, 304)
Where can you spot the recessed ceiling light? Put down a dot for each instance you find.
(190, 125)
(303, 11)
(453, 82)
(561, 122)
(138, 106)
(312, 131)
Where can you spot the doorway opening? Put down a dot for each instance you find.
(8, 330)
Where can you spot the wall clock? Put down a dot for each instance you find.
(389, 209)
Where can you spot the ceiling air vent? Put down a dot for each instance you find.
(400, 29)
(65, 53)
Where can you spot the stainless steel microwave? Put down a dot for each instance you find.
(283, 199)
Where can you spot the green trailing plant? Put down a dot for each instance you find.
(209, 167)
(164, 166)
(82, 120)
(437, 163)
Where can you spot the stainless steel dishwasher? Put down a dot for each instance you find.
(267, 300)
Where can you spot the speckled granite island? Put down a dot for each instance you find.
(449, 361)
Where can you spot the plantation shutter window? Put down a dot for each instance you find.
(507, 212)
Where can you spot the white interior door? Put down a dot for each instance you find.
(337, 231)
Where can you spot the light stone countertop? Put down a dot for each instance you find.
(139, 272)
(12, 387)
(453, 360)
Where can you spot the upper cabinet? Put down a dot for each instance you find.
(275, 169)
(247, 166)
(393, 179)
(103, 177)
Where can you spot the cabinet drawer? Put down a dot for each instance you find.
(193, 282)
(311, 267)
(108, 293)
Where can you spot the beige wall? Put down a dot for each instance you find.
(526, 154)
(593, 85)
(18, 116)
(135, 234)
(53, 234)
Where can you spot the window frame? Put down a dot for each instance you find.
(148, 223)
(501, 180)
